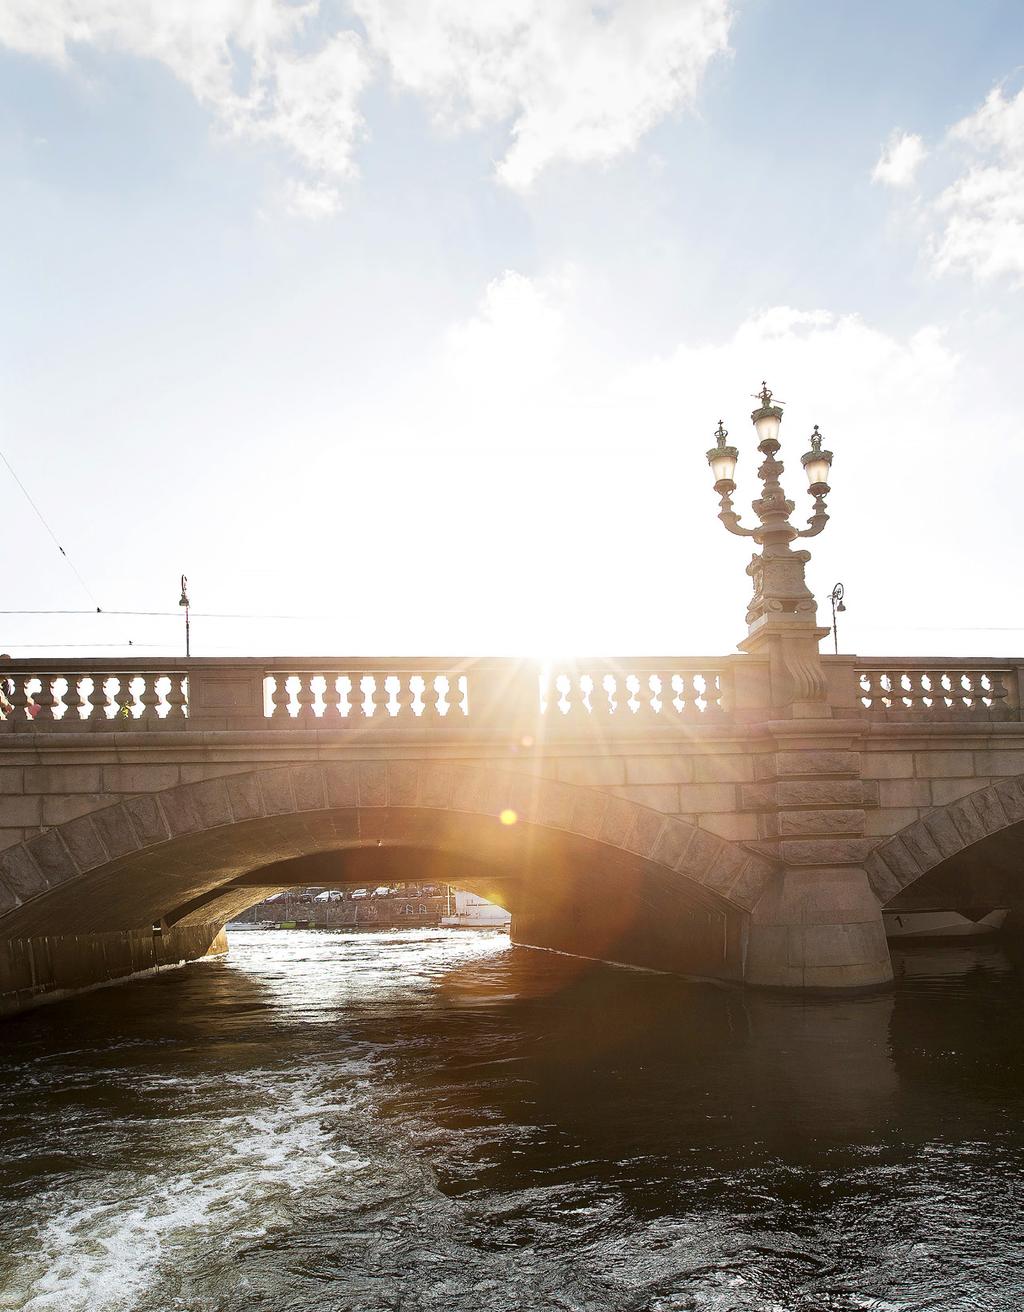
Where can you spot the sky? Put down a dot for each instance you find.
(403, 326)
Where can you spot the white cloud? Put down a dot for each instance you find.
(312, 200)
(242, 59)
(900, 159)
(857, 381)
(526, 357)
(982, 212)
(315, 110)
(576, 81)
(997, 125)
(976, 222)
(512, 344)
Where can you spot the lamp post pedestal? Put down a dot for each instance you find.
(796, 677)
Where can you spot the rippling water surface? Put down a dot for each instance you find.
(435, 1120)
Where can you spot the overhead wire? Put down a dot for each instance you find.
(170, 614)
(67, 646)
(42, 519)
(238, 615)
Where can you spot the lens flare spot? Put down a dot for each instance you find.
(508, 816)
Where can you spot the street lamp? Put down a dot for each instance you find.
(722, 458)
(778, 579)
(184, 602)
(838, 607)
(781, 613)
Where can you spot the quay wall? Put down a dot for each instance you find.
(51, 967)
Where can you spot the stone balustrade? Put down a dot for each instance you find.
(306, 696)
(635, 691)
(40, 697)
(939, 690)
(399, 695)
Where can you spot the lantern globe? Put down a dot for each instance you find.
(767, 417)
(816, 462)
(767, 421)
(722, 460)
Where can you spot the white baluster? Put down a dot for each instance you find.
(713, 693)
(404, 698)
(378, 697)
(601, 696)
(305, 698)
(98, 698)
(280, 698)
(149, 698)
(18, 697)
(176, 697)
(433, 696)
(332, 700)
(45, 699)
(646, 696)
(666, 696)
(356, 699)
(453, 697)
(73, 699)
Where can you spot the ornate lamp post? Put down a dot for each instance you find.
(781, 616)
(184, 604)
(838, 607)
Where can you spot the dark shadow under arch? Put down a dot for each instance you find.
(990, 815)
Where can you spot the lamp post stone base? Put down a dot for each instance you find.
(796, 676)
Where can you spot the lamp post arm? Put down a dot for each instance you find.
(732, 522)
(728, 516)
(814, 526)
(818, 519)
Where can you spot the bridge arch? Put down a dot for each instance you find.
(945, 833)
(194, 853)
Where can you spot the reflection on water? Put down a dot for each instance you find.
(434, 1120)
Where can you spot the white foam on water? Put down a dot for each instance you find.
(104, 1253)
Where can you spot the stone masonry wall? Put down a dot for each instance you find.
(701, 787)
(915, 774)
(726, 786)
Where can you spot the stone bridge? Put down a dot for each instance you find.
(705, 817)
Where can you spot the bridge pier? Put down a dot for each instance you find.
(819, 923)
(818, 929)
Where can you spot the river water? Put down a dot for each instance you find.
(435, 1120)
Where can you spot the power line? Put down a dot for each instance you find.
(233, 615)
(32, 647)
(62, 646)
(172, 614)
(42, 519)
(941, 629)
